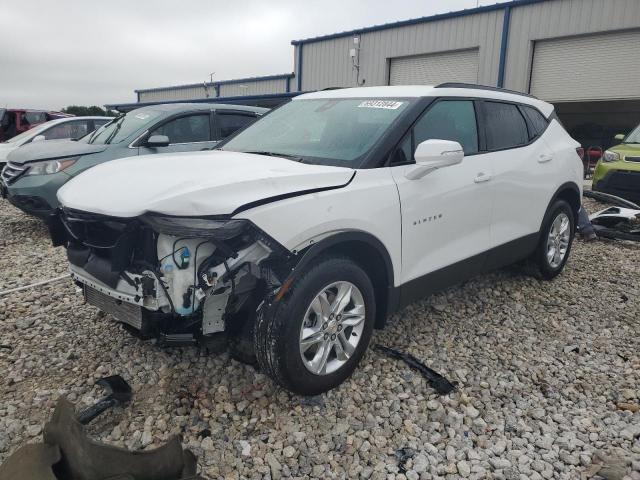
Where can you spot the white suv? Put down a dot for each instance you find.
(303, 232)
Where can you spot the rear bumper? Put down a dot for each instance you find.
(622, 183)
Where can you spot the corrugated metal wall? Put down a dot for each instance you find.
(327, 63)
(561, 18)
(188, 93)
(249, 87)
(262, 87)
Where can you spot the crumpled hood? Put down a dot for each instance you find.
(52, 149)
(193, 184)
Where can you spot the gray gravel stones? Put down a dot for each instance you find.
(542, 368)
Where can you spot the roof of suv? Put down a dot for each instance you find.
(175, 107)
(417, 91)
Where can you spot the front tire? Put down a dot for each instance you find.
(320, 329)
(556, 238)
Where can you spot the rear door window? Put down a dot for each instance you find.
(98, 123)
(505, 126)
(229, 123)
(187, 129)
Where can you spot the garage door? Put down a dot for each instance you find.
(596, 67)
(432, 69)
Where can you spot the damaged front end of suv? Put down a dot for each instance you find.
(178, 279)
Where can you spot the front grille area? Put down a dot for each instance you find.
(632, 159)
(13, 171)
(95, 230)
(122, 311)
(624, 180)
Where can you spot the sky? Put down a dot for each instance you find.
(87, 52)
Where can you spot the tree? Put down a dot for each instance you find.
(80, 111)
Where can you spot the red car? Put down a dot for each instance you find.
(14, 121)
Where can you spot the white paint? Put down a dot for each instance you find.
(425, 223)
(192, 184)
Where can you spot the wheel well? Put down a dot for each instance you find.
(572, 197)
(371, 261)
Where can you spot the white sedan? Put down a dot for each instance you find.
(62, 128)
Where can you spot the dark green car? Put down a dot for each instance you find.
(618, 171)
(34, 173)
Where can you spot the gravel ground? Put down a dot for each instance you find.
(546, 371)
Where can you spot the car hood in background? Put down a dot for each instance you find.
(5, 149)
(53, 149)
(193, 184)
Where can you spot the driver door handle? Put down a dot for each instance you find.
(545, 157)
(482, 177)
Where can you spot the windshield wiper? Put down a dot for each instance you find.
(115, 131)
(275, 154)
(98, 130)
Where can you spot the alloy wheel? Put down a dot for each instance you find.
(332, 328)
(558, 240)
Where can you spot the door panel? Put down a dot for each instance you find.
(523, 172)
(522, 180)
(446, 216)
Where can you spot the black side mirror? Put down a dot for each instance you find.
(157, 141)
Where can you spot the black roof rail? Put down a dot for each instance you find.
(332, 88)
(483, 87)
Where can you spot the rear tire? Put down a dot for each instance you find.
(556, 238)
(320, 329)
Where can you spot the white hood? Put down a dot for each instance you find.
(5, 149)
(192, 184)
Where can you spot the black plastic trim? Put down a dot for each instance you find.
(566, 186)
(484, 87)
(446, 277)
(325, 244)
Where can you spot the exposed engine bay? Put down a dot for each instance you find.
(180, 279)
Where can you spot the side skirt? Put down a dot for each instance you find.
(500, 256)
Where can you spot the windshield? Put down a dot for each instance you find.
(633, 137)
(123, 126)
(322, 131)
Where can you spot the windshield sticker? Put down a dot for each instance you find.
(386, 104)
(142, 116)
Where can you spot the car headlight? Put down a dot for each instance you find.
(191, 227)
(610, 156)
(49, 167)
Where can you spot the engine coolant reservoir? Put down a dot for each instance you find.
(180, 259)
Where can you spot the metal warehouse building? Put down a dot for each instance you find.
(581, 55)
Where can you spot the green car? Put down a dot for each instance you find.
(35, 172)
(618, 171)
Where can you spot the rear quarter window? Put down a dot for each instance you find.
(537, 123)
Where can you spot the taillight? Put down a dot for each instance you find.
(580, 152)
